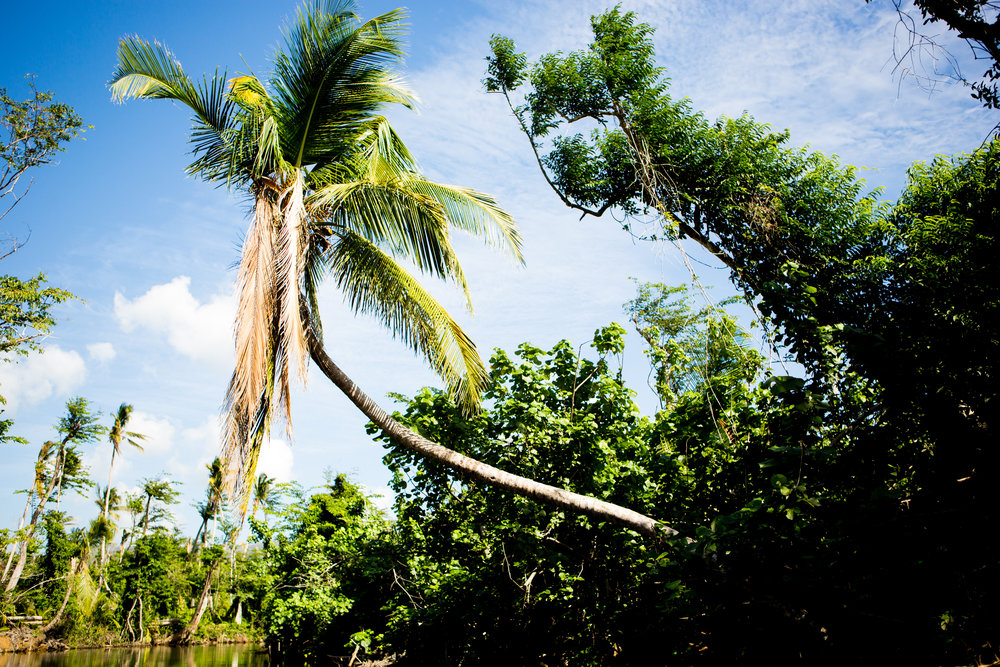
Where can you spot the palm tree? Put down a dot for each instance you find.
(333, 190)
(214, 496)
(59, 464)
(216, 491)
(262, 491)
(134, 505)
(164, 494)
(103, 527)
(116, 435)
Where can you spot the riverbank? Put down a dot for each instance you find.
(216, 654)
(162, 656)
(27, 640)
(23, 640)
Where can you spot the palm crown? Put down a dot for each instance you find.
(333, 189)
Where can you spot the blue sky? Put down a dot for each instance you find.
(150, 252)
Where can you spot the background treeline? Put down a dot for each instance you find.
(823, 517)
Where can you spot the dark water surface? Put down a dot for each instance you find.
(230, 655)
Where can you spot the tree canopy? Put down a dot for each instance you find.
(887, 308)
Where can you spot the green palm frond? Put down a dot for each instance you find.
(108, 500)
(332, 77)
(379, 155)
(257, 132)
(475, 213)
(149, 71)
(315, 271)
(373, 283)
(117, 433)
(394, 217)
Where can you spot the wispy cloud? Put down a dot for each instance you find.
(102, 353)
(159, 432)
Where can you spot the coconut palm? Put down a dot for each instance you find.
(333, 190)
(103, 528)
(214, 495)
(134, 505)
(263, 489)
(116, 434)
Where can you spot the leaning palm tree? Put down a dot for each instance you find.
(333, 190)
(116, 434)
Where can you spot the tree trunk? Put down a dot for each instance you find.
(188, 633)
(104, 510)
(200, 533)
(476, 470)
(145, 516)
(73, 563)
(59, 475)
(22, 557)
(20, 525)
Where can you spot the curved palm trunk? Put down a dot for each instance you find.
(70, 577)
(36, 515)
(476, 470)
(145, 514)
(187, 634)
(20, 525)
(22, 556)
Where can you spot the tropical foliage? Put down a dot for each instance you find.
(883, 306)
(817, 518)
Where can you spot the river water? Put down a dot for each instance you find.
(229, 655)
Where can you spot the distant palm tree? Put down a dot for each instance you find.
(134, 504)
(116, 434)
(103, 527)
(214, 496)
(58, 464)
(262, 491)
(160, 491)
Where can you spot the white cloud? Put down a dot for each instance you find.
(54, 372)
(276, 459)
(159, 433)
(101, 352)
(199, 445)
(201, 331)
